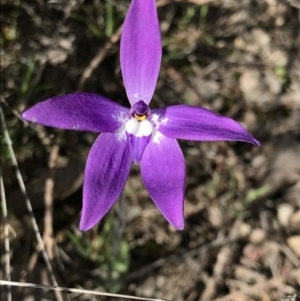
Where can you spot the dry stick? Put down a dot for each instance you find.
(33, 260)
(100, 56)
(76, 290)
(48, 201)
(180, 256)
(109, 45)
(289, 254)
(28, 204)
(6, 238)
(223, 260)
(48, 214)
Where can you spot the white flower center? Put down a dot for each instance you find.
(139, 128)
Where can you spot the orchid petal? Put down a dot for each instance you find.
(79, 111)
(141, 50)
(163, 174)
(106, 171)
(193, 123)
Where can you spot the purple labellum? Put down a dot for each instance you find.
(136, 134)
(137, 146)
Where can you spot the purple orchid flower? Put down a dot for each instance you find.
(138, 134)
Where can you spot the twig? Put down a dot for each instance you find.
(223, 260)
(100, 56)
(33, 259)
(110, 44)
(76, 290)
(6, 238)
(28, 204)
(182, 255)
(48, 201)
(289, 254)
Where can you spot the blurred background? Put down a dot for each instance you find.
(241, 240)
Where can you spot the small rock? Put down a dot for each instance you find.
(294, 277)
(272, 82)
(284, 214)
(252, 252)
(257, 236)
(147, 288)
(261, 37)
(245, 230)
(56, 56)
(294, 243)
(160, 281)
(271, 254)
(248, 275)
(295, 221)
(276, 57)
(235, 296)
(215, 216)
(253, 87)
(258, 161)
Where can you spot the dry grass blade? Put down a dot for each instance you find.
(28, 204)
(77, 291)
(6, 238)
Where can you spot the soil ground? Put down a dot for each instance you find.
(241, 239)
